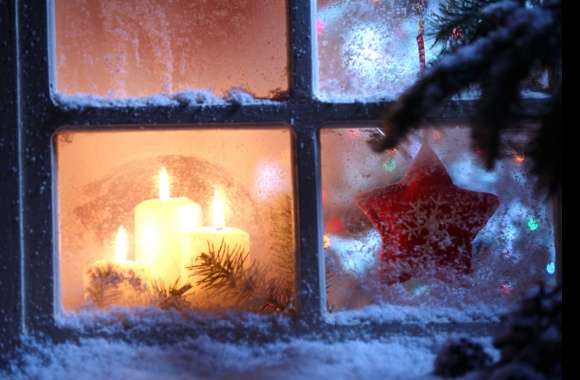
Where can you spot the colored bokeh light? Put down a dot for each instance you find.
(390, 165)
(533, 223)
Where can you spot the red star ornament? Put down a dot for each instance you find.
(426, 222)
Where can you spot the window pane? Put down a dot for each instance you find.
(138, 209)
(131, 48)
(368, 48)
(424, 230)
(372, 49)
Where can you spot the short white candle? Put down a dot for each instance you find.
(197, 241)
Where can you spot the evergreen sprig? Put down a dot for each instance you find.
(516, 40)
(222, 268)
(457, 16)
(225, 270)
(281, 237)
(170, 296)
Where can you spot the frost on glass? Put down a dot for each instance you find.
(134, 48)
(138, 209)
(369, 48)
(512, 251)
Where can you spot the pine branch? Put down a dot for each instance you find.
(224, 271)
(170, 296)
(102, 290)
(457, 16)
(221, 269)
(281, 237)
(499, 60)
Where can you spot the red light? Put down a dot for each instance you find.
(319, 26)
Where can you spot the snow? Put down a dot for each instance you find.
(192, 98)
(95, 358)
(396, 357)
(171, 345)
(418, 314)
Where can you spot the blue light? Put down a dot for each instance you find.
(551, 268)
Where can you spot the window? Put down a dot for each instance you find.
(425, 230)
(104, 119)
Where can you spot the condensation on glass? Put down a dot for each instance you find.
(513, 250)
(369, 48)
(133, 48)
(372, 49)
(137, 210)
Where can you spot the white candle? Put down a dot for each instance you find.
(196, 241)
(159, 224)
(119, 281)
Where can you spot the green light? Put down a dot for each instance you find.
(390, 165)
(533, 223)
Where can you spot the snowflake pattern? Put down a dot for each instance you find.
(426, 223)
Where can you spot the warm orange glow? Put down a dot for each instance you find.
(164, 193)
(121, 245)
(519, 158)
(326, 241)
(218, 209)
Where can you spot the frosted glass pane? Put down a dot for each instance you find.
(131, 48)
(138, 209)
(368, 48)
(405, 244)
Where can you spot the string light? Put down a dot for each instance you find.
(436, 135)
(533, 223)
(505, 289)
(390, 165)
(319, 26)
(551, 268)
(326, 241)
(519, 158)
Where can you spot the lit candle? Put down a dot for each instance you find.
(119, 281)
(159, 224)
(196, 241)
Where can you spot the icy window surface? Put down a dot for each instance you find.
(134, 48)
(374, 49)
(137, 209)
(368, 48)
(513, 249)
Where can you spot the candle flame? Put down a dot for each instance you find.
(164, 193)
(121, 245)
(218, 210)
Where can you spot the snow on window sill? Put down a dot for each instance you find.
(193, 98)
(139, 320)
(383, 313)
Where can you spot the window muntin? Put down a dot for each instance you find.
(513, 250)
(108, 179)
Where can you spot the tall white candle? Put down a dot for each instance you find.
(159, 224)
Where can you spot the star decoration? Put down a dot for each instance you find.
(426, 223)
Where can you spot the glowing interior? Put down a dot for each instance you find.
(148, 203)
(130, 48)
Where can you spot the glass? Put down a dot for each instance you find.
(134, 48)
(369, 48)
(428, 233)
(175, 219)
(374, 49)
